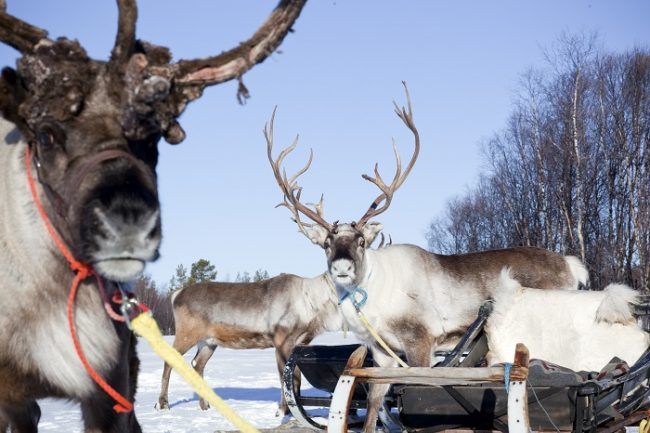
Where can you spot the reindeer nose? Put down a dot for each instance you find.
(130, 230)
(123, 232)
(128, 215)
(342, 268)
(126, 239)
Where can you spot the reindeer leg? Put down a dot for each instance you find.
(134, 370)
(283, 348)
(203, 355)
(377, 392)
(419, 350)
(182, 343)
(282, 353)
(4, 421)
(23, 419)
(97, 410)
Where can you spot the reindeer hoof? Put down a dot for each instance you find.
(161, 405)
(282, 411)
(204, 405)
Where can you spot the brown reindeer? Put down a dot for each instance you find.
(279, 312)
(92, 128)
(415, 299)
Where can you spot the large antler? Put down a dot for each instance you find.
(235, 62)
(388, 190)
(290, 187)
(17, 33)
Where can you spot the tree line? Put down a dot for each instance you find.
(158, 299)
(571, 169)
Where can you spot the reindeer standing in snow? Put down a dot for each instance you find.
(279, 312)
(87, 131)
(415, 299)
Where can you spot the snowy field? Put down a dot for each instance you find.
(246, 379)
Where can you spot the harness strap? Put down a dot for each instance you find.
(358, 303)
(506, 376)
(82, 271)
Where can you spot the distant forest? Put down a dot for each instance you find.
(571, 169)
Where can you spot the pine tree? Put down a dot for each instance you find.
(179, 280)
(202, 270)
(260, 275)
(243, 277)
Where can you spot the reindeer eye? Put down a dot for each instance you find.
(326, 244)
(45, 138)
(50, 133)
(362, 242)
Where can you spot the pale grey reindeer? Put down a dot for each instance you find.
(279, 312)
(416, 300)
(91, 129)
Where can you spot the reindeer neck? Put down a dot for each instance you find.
(370, 269)
(26, 251)
(324, 291)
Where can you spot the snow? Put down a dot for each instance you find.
(246, 379)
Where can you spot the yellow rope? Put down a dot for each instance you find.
(644, 426)
(368, 326)
(145, 326)
(380, 340)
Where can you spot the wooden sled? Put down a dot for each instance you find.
(455, 394)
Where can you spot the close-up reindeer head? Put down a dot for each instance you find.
(344, 244)
(93, 127)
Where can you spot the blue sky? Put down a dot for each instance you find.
(333, 82)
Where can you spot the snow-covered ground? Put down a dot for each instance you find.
(246, 379)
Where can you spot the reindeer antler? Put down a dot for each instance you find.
(388, 190)
(150, 91)
(236, 61)
(290, 187)
(125, 37)
(17, 33)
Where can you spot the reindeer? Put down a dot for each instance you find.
(87, 131)
(280, 312)
(416, 300)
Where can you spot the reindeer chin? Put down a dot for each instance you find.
(119, 269)
(347, 281)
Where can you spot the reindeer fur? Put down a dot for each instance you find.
(581, 330)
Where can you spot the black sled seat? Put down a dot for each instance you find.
(321, 366)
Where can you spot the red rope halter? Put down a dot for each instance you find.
(82, 271)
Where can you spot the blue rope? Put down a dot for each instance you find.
(506, 376)
(364, 297)
(352, 294)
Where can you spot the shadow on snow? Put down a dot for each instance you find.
(271, 394)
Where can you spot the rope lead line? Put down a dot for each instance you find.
(82, 271)
(506, 376)
(380, 340)
(145, 326)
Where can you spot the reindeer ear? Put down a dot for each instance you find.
(12, 94)
(317, 234)
(370, 232)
